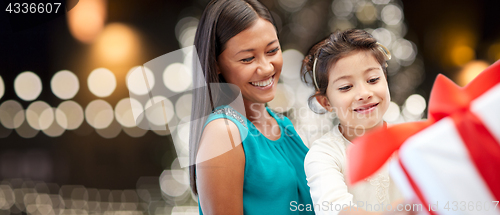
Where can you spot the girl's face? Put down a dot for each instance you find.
(357, 91)
(252, 61)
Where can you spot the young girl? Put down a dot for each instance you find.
(248, 161)
(348, 72)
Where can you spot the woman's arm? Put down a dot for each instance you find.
(220, 169)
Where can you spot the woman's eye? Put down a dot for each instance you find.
(345, 88)
(274, 50)
(373, 80)
(247, 60)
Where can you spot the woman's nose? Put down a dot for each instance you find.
(266, 67)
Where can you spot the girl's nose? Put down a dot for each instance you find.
(364, 93)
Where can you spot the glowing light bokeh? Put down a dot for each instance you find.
(2, 89)
(101, 82)
(183, 134)
(383, 36)
(339, 23)
(130, 199)
(118, 43)
(134, 131)
(99, 114)
(183, 24)
(38, 197)
(111, 131)
(185, 31)
(302, 94)
(493, 52)
(46, 118)
(181, 175)
(404, 50)
(86, 19)
(457, 45)
(136, 80)
(159, 110)
(177, 77)
(170, 186)
(188, 59)
(292, 5)
(8, 197)
(470, 71)
(283, 99)
(392, 14)
(28, 86)
(161, 131)
(381, 1)
(124, 112)
(292, 62)
(65, 84)
(69, 115)
(392, 113)
(366, 12)
(11, 114)
(183, 106)
(39, 115)
(399, 30)
(461, 55)
(415, 104)
(342, 8)
(54, 129)
(187, 37)
(26, 131)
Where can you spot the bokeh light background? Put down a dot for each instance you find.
(68, 140)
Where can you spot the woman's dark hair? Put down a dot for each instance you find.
(221, 20)
(337, 45)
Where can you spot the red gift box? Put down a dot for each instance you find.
(450, 164)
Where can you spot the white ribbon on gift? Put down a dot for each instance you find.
(438, 162)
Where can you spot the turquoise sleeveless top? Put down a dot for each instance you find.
(274, 181)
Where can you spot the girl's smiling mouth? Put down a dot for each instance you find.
(366, 108)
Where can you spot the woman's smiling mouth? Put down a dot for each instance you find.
(263, 83)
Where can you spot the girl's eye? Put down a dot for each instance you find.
(274, 50)
(247, 60)
(346, 88)
(373, 80)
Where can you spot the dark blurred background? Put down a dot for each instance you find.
(81, 161)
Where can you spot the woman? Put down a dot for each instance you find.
(247, 162)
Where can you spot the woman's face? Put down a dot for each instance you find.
(357, 90)
(252, 61)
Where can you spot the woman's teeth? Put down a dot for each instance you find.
(264, 83)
